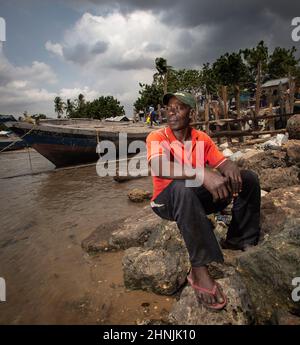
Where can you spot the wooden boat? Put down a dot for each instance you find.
(74, 141)
(11, 143)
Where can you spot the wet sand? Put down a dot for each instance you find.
(49, 278)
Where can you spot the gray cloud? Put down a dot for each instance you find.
(234, 24)
(82, 52)
(153, 47)
(135, 64)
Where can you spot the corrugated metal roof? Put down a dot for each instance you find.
(275, 82)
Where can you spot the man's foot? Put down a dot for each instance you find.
(207, 290)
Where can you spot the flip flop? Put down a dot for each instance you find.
(212, 292)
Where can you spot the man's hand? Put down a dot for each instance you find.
(216, 184)
(231, 171)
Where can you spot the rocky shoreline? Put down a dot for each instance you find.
(258, 282)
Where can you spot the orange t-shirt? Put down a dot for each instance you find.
(163, 142)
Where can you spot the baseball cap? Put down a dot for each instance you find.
(184, 97)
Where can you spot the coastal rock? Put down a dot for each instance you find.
(292, 148)
(124, 233)
(188, 311)
(139, 195)
(248, 153)
(98, 240)
(268, 271)
(293, 127)
(264, 160)
(136, 230)
(278, 206)
(271, 179)
(168, 237)
(162, 265)
(154, 270)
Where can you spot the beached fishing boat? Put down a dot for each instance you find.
(11, 143)
(74, 141)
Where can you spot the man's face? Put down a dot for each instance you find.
(178, 114)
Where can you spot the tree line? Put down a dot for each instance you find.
(100, 108)
(230, 74)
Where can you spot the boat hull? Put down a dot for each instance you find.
(64, 149)
(12, 145)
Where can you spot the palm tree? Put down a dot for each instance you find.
(162, 72)
(58, 106)
(69, 108)
(80, 100)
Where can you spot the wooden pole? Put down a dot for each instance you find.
(159, 113)
(271, 119)
(258, 89)
(292, 92)
(257, 94)
(206, 116)
(224, 97)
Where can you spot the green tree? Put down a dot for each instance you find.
(80, 102)
(188, 80)
(100, 108)
(209, 82)
(58, 106)
(230, 70)
(257, 61)
(282, 62)
(162, 74)
(149, 95)
(69, 108)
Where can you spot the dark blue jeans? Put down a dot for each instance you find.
(188, 207)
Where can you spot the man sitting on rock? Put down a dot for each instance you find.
(189, 190)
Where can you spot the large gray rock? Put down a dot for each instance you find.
(154, 270)
(98, 240)
(124, 233)
(136, 230)
(161, 266)
(278, 206)
(268, 271)
(292, 148)
(293, 127)
(271, 179)
(188, 311)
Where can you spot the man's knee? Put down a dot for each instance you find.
(249, 178)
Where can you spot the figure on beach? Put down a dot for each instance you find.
(222, 183)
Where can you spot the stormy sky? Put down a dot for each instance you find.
(107, 47)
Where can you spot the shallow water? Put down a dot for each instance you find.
(44, 217)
